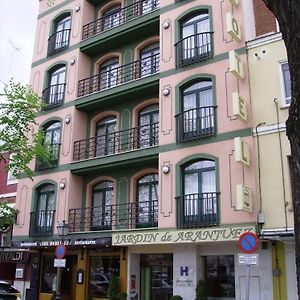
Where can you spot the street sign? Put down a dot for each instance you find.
(248, 242)
(248, 259)
(59, 263)
(60, 251)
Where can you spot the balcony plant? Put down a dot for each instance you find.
(7, 217)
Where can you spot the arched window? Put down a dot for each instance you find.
(108, 73)
(59, 40)
(147, 201)
(102, 201)
(149, 59)
(54, 94)
(111, 17)
(197, 116)
(42, 219)
(52, 133)
(105, 136)
(199, 193)
(195, 43)
(148, 126)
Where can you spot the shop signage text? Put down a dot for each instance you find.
(180, 236)
(12, 256)
(84, 242)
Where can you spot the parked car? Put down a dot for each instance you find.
(99, 286)
(8, 291)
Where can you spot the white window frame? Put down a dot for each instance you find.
(10, 178)
(285, 100)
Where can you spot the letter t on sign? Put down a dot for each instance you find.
(184, 271)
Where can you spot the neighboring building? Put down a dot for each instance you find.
(270, 96)
(12, 261)
(153, 169)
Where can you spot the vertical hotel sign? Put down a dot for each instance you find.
(242, 153)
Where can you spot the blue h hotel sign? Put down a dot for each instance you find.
(185, 276)
(184, 271)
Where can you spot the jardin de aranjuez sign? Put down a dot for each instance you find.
(180, 236)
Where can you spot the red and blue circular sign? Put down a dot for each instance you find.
(60, 251)
(248, 242)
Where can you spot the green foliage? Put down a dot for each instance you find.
(114, 288)
(122, 295)
(201, 291)
(8, 216)
(176, 297)
(114, 292)
(17, 115)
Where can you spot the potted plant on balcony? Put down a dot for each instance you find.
(7, 217)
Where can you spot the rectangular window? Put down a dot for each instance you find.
(102, 270)
(10, 178)
(219, 277)
(49, 273)
(286, 84)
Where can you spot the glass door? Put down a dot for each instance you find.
(156, 276)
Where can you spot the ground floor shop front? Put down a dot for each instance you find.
(154, 265)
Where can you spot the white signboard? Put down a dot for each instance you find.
(184, 276)
(59, 263)
(248, 259)
(217, 234)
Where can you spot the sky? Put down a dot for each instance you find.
(17, 30)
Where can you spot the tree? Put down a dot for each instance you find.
(287, 13)
(17, 113)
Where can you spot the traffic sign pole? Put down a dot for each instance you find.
(248, 243)
(247, 293)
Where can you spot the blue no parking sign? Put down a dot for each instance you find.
(60, 251)
(248, 242)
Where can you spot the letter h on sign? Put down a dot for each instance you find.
(184, 271)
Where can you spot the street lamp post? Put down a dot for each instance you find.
(63, 230)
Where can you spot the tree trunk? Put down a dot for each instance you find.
(287, 13)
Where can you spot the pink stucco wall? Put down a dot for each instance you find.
(230, 174)
(67, 198)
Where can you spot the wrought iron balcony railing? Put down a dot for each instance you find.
(193, 49)
(41, 223)
(58, 41)
(109, 217)
(54, 150)
(117, 142)
(195, 123)
(129, 72)
(54, 95)
(197, 210)
(119, 17)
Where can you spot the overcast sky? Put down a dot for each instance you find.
(17, 30)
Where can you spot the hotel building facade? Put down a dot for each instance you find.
(149, 119)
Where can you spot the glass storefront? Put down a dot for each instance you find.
(156, 276)
(48, 282)
(219, 277)
(102, 269)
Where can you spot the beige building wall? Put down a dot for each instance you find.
(269, 115)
